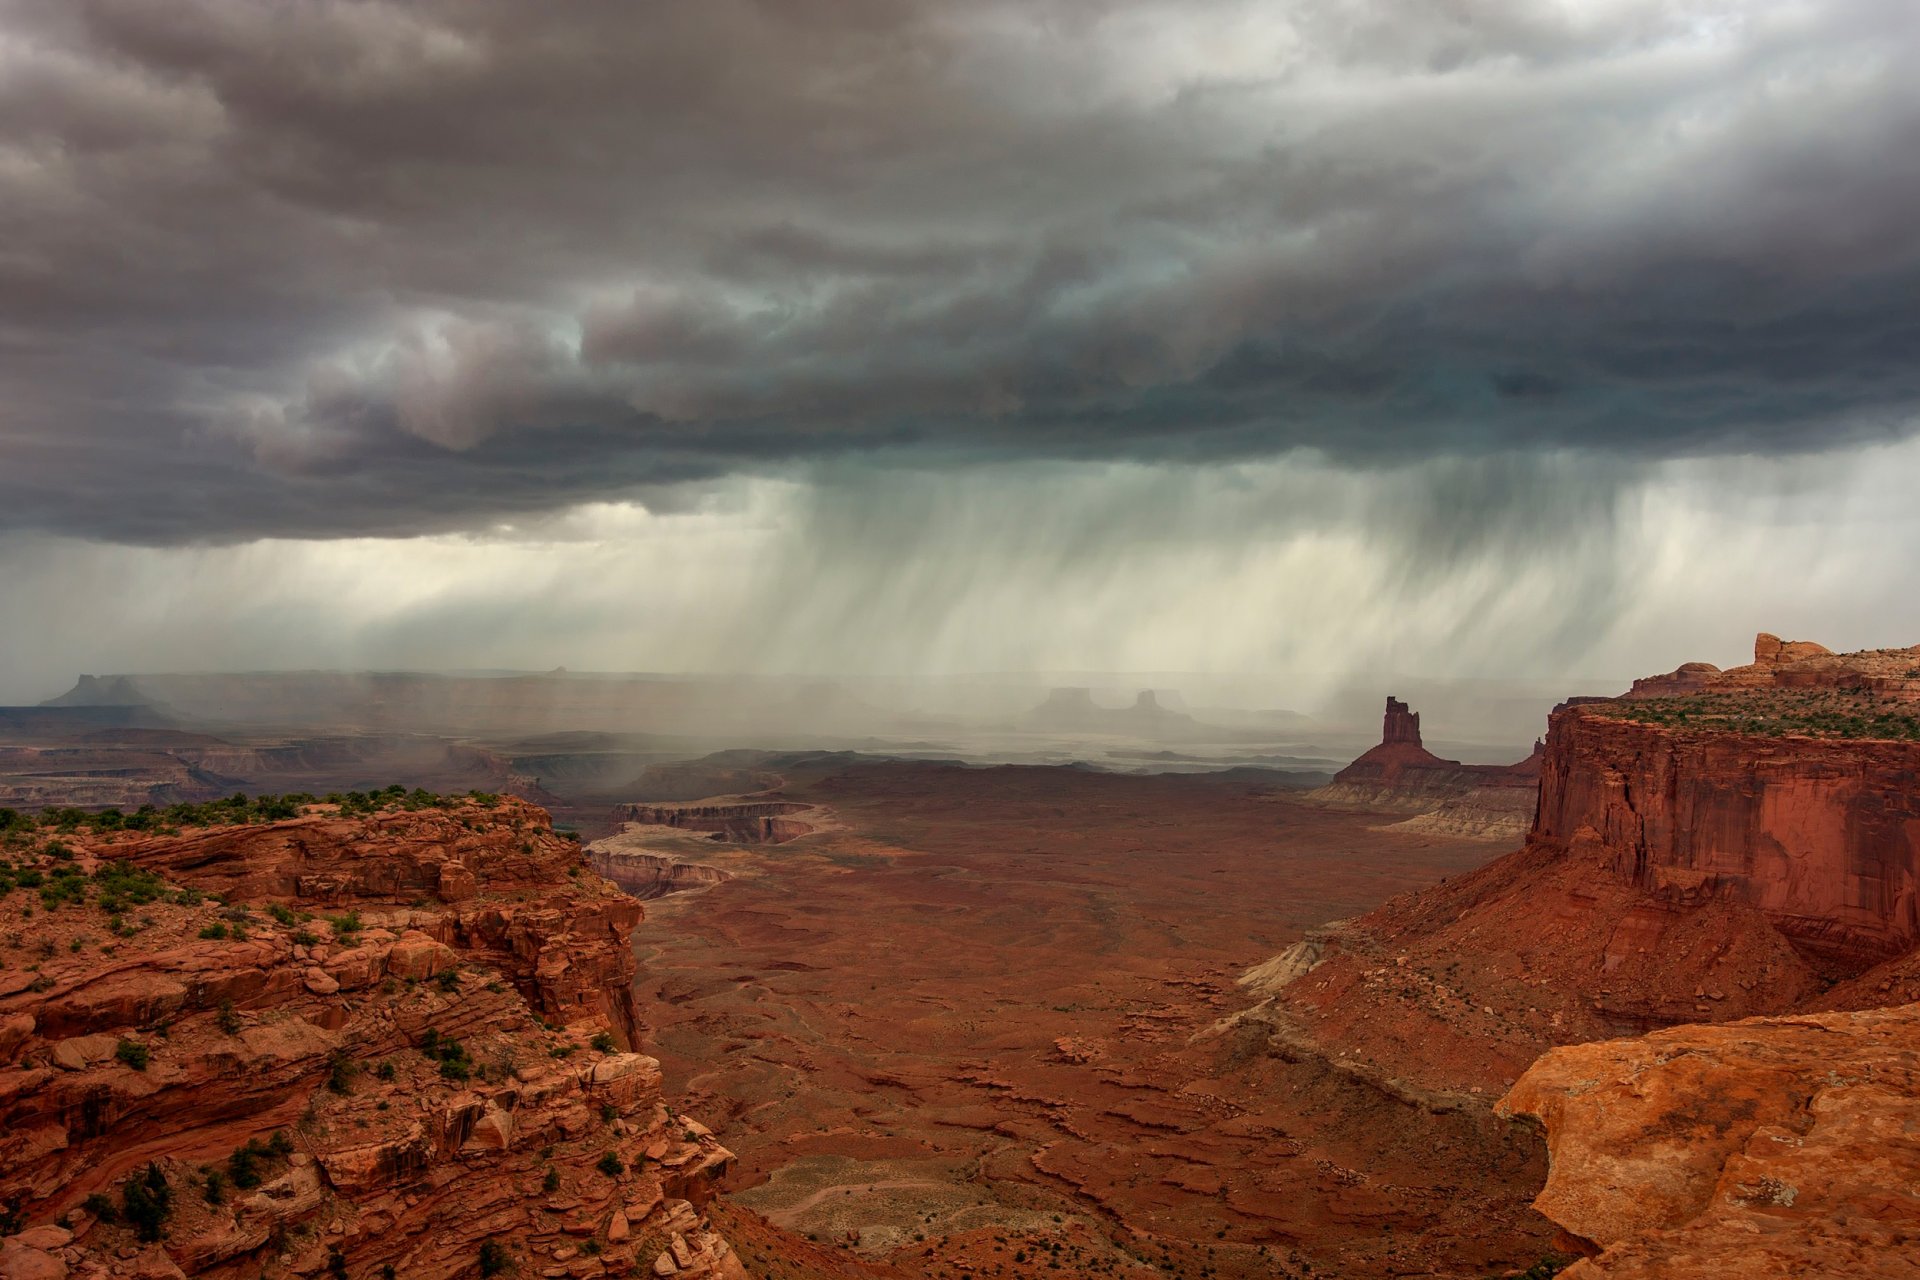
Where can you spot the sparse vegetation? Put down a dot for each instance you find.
(1776, 713)
(603, 1042)
(494, 1258)
(146, 1202)
(455, 1064)
(340, 1072)
(133, 1054)
(611, 1164)
(243, 1166)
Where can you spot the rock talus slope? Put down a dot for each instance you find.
(395, 1044)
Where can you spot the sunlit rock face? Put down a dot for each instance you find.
(1790, 785)
(1775, 1147)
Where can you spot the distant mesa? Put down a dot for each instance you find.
(95, 691)
(1073, 710)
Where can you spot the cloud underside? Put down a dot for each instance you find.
(328, 269)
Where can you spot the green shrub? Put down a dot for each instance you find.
(611, 1165)
(101, 1207)
(227, 1019)
(604, 1042)
(133, 1053)
(146, 1202)
(214, 932)
(215, 1187)
(340, 1069)
(494, 1258)
(243, 1166)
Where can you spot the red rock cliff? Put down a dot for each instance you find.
(1822, 835)
(432, 1011)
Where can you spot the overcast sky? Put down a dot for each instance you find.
(1445, 336)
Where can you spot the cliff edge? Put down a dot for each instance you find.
(286, 1039)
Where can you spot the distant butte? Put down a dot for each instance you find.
(1446, 797)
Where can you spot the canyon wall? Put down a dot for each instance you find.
(397, 1044)
(739, 821)
(1822, 835)
(653, 875)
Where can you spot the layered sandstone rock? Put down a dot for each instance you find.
(431, 1009)
(738, 819)
(1777, 1147)
(648, 875)
(1820, 834)
(1794, 664)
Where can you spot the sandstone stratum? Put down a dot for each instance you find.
(1723, 870)
(396, 1041)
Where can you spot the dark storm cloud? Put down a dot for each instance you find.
(323, 268)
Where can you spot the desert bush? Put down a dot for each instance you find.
(146, 1202)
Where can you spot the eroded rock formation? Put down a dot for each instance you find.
(1777, 1147)
(1712, 846)
(1818, 833)
(1474, 801)
(739, 820)
(400, 1041)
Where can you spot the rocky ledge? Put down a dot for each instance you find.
(1774, 1147)
(391, 1044)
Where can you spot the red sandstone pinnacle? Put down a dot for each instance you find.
(1401, 724)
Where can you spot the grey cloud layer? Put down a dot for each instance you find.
(314, 268)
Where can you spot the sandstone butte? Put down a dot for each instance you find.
(1446, 797)
(433, 1011)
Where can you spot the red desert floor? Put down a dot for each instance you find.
(964, 1028)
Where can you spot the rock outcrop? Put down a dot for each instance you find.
(736, 820)
(653, 875)
(1691, 860)
(1795, 664)
(1820, 834)
(1474, 801)
(1776, 1147)
(394, 1044)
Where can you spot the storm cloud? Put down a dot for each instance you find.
(348, 270)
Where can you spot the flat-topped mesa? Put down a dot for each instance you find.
(400, 1041)
(1788, 786)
